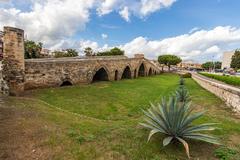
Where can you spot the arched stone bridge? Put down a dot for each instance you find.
(20, 74)
(65, 71)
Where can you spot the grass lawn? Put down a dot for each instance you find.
(100, 121)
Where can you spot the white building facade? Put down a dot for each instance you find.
(227, 58)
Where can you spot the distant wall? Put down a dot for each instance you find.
(229, 94)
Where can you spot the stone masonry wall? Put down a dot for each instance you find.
(13, 59)
(42, 73)
(230, 94)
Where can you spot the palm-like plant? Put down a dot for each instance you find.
(181, 81)
(175, 119)
(182, 94)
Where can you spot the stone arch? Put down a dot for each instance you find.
(135, 73)
(116, 75)
(126, 73)
(100, 75)
(141, 70)
(66, 83)
(150, 72)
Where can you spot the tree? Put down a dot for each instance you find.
(58, 54)
(71, 53)
(116, 51)
(65, 53)
(218, 65)
(113, 52)
(169, 60)
(235, 63)
(88, 51)
(32, 49)
(212, 65)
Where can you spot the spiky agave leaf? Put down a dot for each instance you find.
(182, 94)
(181, 81)
(175, 119)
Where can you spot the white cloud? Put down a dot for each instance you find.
(53, 21)
(150, 6)
(87, 43)
(198, 45)
(104, 36)
(106, 6)
(125, 14)
(49, 21)
(194, 30)
(213, 49)
(125, 8)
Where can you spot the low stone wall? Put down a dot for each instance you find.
(230, 94)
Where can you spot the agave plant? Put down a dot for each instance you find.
(182, 94)
(181, 81)
(175, 119)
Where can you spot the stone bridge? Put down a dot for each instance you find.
(21, 74)
(67, 71)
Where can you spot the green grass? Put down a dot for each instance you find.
(100, 121)
(226, 79)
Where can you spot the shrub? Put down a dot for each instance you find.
(226, 79)
(224, 153)
(187, 75)
(175, 119)
(182, 94)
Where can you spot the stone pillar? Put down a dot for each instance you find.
(13, 60)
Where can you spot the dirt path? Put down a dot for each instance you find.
(18, 140)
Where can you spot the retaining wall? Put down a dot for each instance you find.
(228, 93)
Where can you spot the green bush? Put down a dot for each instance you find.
(175, 120)
(224, 153)
(186, 75)
(226, 79)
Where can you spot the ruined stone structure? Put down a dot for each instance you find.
(229, 94)
(13, 59)
(23, 74)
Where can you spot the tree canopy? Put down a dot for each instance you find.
(113, 52)
(88, 51)
(32, 49)
(235, 63)
(212, 65)
(169, 60)
(65, 53)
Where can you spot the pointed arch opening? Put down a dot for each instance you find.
(126, 73)
(100, 75)
(150, 72)
(141, 70)
(116, 75)
(66, 83)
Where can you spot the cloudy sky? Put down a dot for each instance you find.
(193, 29)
